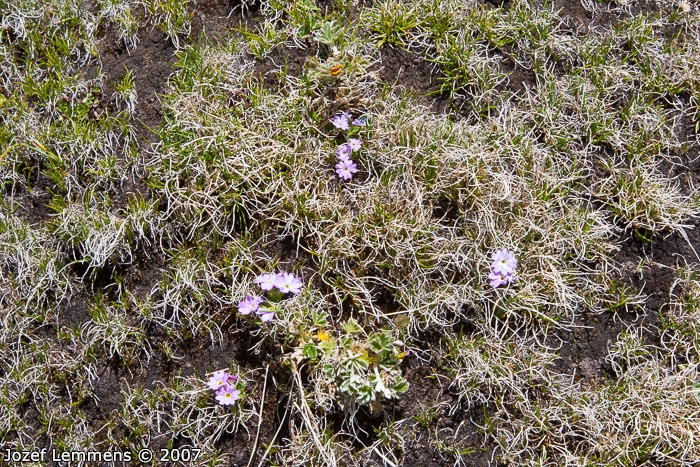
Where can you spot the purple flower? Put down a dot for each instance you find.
(288, 283)
(266, 281)
(344, 151)
(226, 395)
(345, 169)
(220, 379)
(341, 121)
(498, 279)
(266, 314)
(504, 262)
(249, 305)
(355, 144)
(362, 121)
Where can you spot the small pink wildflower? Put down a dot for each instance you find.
(362, 121)
(355, 144)
(345, 169)
(266, 281)
(341, 120)
(218, 380)
(249, 305)
(226, 395)
(288, 283)
(344, 151)
(504, 262)
(498, 279)
(266, 314)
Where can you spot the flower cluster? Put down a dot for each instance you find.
(345, 166)
(276, 285)
(503, 267)
(224, 386)
(342, 121)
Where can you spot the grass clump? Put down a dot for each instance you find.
(647, 202)
(33, 275)
(171, 17)
(644, 415)
(125, 16)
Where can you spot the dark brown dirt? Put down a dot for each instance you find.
(398, 67)
(427, 406)
(584, 349)
(151, 62)
(292, 59)
(215, 19)
(519, 78)
(582, 20)
(34, 205)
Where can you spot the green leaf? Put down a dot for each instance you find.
(401, 386)
(311, 351)
(380, 343)
(351, 326)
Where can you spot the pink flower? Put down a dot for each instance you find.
(344, 151)
(355, 144)
(345, 169)
(226, 395)
(266, 314)
(266, 281)
(249, 305)
(288, 283)
(220, 379)
(498, 279)
(341, 120)
(362, 121)
(504, 262)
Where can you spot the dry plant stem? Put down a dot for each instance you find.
(260, 418)
(308, 416)
(274, 438)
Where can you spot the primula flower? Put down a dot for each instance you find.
(345, 169)
(344, 151)
(498, 279)
(504, 262)
(249, 305)
(362, 121)
(288, 283)
(266, 281)
(226, 395)
(341, 120)
(355, 144)
(220, 379)
(266, 314)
